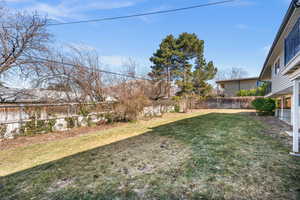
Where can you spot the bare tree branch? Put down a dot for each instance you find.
(22, 36)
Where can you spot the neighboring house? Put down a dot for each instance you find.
(15, 95)
(230, 88)
(282, 69)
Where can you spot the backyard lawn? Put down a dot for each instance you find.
(212, 154)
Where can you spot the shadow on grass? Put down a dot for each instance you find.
(213, 156)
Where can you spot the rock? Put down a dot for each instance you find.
(125, 170)
(123, 159)
(96, 176)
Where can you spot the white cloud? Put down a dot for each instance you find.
(109, 60)
(15, 1)
(114, 60)
(81, 46)
(266, 49)
(75, 8)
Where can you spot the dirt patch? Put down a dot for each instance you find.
(155, 153)
(54, 136)
(275, 128)
(60, 184)
(133, 163)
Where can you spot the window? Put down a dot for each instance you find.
(277, 67)
(292, 43)
(288, 103)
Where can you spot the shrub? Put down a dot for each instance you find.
(177, 108)
(83, 110)
(129, 108)
(35, 126)
(3, 129)
(71, 123)
(260, 91)
(264, 106)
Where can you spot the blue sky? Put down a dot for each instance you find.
(236, 35)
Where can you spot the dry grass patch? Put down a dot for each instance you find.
(203, 155)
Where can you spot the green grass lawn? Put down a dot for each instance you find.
(200, 155)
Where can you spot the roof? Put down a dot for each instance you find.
(294, 4)
(238, 79)
(16, 95)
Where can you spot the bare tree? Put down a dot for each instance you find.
(130, 67)
(22, 37)
(76, 75)
(233, 73)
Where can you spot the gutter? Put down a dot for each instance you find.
(294, 4)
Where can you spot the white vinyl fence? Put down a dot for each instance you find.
(29, 119)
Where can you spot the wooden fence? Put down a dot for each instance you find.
(225, 103)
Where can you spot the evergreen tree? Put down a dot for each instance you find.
(203, 73)
(189, 49)
(162, 70)
(182, 60)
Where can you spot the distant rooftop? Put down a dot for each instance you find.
(238, 79)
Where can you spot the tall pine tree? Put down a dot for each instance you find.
(182, 60)
(163, 62)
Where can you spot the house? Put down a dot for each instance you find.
(282, 69)
(230, 88)
(36, 95)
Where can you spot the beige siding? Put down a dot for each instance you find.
(233, 87)
(279, 81)
(230, 89)
(248, 84)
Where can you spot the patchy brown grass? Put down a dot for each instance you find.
(202, 155)
(22, 141)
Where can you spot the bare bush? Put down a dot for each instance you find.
(131, 95)
(77, 74)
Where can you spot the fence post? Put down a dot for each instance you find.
(21, 106)
(46, 113)
(69, 109)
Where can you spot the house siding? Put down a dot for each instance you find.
(233, 87)
(279, 81)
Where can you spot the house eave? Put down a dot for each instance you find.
(294, 4)
(240, 79)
